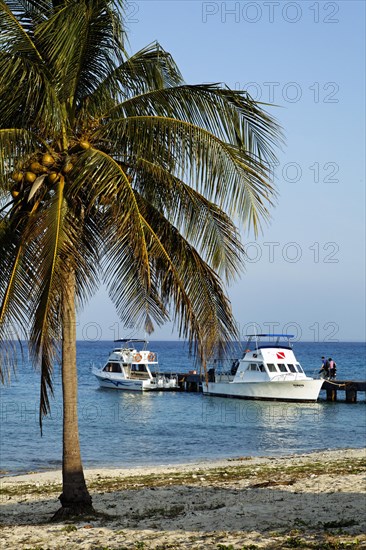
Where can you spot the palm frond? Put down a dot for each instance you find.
(201, 310)
(230, 115)
(152, 68)
(45, 332)
(206, 227)
(16, 285)
(103, 179)
(27, 98)
(80, 42)
(82, 248)
(30, 13)
(15, 35)
(13, 318)
(182, 283)
(227, 175)
(136, 301)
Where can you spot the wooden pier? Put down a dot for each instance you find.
(190, 382)
(187, 381)
(350, 387)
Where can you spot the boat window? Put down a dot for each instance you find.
(261, 368)
(299, 368)
(271, 367)
(112, 367)
(253, 366)
(291, 367)
(282, 367)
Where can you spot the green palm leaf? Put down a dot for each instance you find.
(149, 69)
(16, 36)
(83, 56)
(200, 221)
(223, 173)
(46, 299)
(12, 318)
(201, 310)
(231, 115)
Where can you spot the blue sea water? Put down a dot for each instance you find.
(128, 429)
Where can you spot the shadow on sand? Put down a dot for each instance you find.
(188, 516)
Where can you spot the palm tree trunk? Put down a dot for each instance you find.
(75, 498)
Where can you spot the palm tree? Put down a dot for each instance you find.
(113, 169)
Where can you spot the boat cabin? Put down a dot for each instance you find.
(268, 362)
(130, 362)
(128, 370)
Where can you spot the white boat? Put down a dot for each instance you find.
(267, 372)
(129, 369)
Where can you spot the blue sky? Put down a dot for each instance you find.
(306, 273)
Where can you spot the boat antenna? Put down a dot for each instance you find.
(255, 336)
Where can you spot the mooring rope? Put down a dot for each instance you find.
(337, 384)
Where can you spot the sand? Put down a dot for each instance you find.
(316, 500)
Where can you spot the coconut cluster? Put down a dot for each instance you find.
(50, 167)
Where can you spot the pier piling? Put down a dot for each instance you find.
(331, 394)
(350, 387)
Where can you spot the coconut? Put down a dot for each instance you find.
(67, 168)
(84, 144)
(48, 160)
(17, 176)
(37, 168)
(53, 177)
(14, 193)
(30, 177)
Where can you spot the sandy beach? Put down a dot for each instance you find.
(315, 500)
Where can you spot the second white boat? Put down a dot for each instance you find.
(266, 372)
(130, 369)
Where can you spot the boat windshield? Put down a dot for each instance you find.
(112, 367)
(256, 367)
(299, 367)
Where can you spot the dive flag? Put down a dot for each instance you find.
(281, 355)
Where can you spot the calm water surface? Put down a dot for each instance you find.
(120, 429)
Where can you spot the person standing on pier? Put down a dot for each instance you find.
(325, 368)
(332, 368)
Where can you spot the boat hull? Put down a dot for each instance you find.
(127, 385)
(290, 390)
(118, 382)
